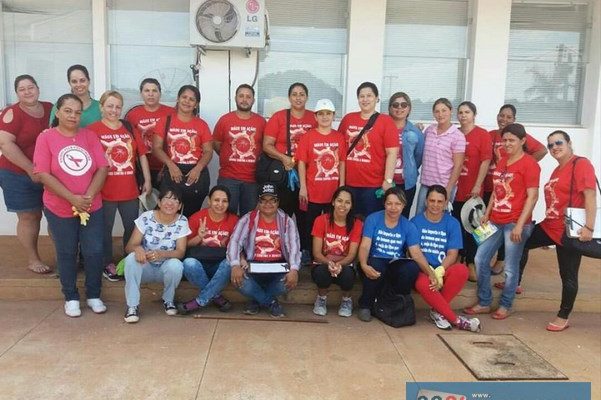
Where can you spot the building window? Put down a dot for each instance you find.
(546, 62)
(149, 39)
(425, 52)
(43, 39)
(308, 44)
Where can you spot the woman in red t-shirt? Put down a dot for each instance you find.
(20, 125)
(120, 191)
(144, 118)
(515, 191)
(206, 266)
(189, 150)
(336, 237)
(578, 175)
(478, 152)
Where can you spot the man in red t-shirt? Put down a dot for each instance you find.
(238, 138)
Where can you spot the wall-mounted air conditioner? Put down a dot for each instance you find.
(227, 23)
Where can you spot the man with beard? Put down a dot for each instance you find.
(238, 138)
(265, 235)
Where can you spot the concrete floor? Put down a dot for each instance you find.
(46, 355)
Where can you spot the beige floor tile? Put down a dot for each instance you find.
(19, 317)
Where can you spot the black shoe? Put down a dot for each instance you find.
(222, 303)
(252, 308)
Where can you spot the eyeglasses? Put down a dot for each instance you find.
(403, 105)
(555, 143)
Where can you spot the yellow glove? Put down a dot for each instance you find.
(439, 274)
(83, 216)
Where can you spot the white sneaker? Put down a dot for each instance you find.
(72, 308)
(440, 321)
(346, 307)
(320, 306)
(96, 305)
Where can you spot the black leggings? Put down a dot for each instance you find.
(289, 203)
(192, 196)
(401, 275)
(569, 264)
(323, 279)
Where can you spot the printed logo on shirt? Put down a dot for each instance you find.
(433, 241)
(216, 238)
(503, 191)
(267, 244)
(146, 127)
(296, 131)
(119, 153)
(182, 145)
(389, 243)
(361, 151)
(334, 244)
(552, 212)
(243, 144)
(74, 160)
(326, 158)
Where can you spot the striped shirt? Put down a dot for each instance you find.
(437, 163)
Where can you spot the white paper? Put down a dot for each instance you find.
(268, 268)
(579, 219)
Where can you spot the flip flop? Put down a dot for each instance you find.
(500, 314)
(551, 327)
(39, 269)
(476, 309)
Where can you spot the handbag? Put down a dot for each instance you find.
(574, 220)
(206, 254)
(270, 169)
(138, 168)
(394, 309)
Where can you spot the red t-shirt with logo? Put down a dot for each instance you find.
(336, 240)
(276, 128)
(217, 232)
(557, 194)
(268, 246)
(366, 164)
(241, 143)
(532, 146)
(25, 128)
(478, 149)
(145, 122)
(322, 155)
(184, 139)
(71, 160)
(510, 184)
(121, 150)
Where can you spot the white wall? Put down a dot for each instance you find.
(490, 33)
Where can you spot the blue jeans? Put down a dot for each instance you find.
(128, 210)
(169, 272)
(243, 195)
(513, 254)
(366, 201)
(211, 279)
(263, 288)
(68, 234)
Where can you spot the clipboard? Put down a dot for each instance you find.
(268, 267)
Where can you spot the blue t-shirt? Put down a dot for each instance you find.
(436, 238)
(389, 242)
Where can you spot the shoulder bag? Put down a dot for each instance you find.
(138, 166)
(270, 169)
(575, 218)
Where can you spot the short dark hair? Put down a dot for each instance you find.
(442, 100)
(562, 133)
(245, 86)
(59, 103)
(295, 84)
(469, 105)
(150, 80)
(25, 77)
(437, 189)
(222, 188)
(194, 90)
(368, 85)
(174, 190)
(77, 67)
(398, 192)
(511, 107)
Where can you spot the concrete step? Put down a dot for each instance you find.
(542, 285)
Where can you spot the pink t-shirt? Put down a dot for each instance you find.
(437, 163)
(71, 160)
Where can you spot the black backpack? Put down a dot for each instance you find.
(394, 309)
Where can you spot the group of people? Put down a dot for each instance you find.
(80, 163)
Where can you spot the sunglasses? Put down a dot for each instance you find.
(403, 105)
(555, 143)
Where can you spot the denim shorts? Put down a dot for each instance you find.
(21, 194)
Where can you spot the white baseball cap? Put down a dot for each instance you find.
(324, 104)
